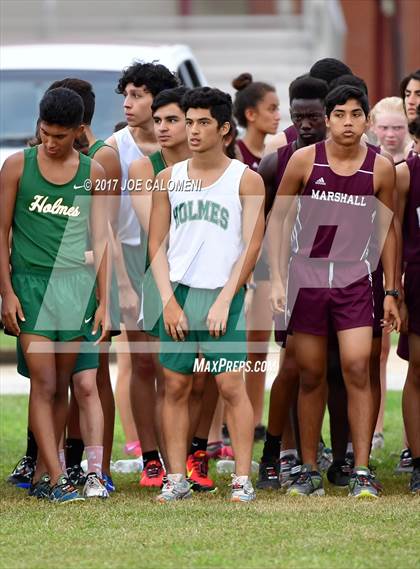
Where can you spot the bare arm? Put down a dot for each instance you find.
(280, 223)
(108, 158)
(9, 184)
(384, 188)
(101, 250)
(267, 170)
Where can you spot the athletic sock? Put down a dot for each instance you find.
(289, 452)
(150, 455)
(198, 444)
(62, 459)
(416, 462)
(94, 455)
(271, 448)
(74, 452)
(31, 446)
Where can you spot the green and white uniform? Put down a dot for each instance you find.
(205, 242)
(49, 275)
(129, 231)
(152, 304)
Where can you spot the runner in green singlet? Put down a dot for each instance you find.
(47, 295)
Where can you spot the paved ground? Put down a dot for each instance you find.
(12, 383)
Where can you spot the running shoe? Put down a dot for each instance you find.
(339, 473)
(174, 489)
(325, 457)
(259, 433)
(76, 475)
(109, 484)
(217, 450)
(268, 475)
(23, 472)
(415, 481)
(290, 468)
(405, 464)
(64, 492)
(42, 488)
(308, 483)
(363, 484)
(242, 489)
(378, 441)
(94, 487)
(152, 475)
(197, 472)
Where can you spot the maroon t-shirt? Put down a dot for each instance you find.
(249, 158)
(411, 223)
(291, 133)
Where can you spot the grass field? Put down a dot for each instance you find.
(131, 530)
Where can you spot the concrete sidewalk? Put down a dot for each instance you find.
(13, 383)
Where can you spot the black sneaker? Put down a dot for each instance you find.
(405, 464)
(415, 481)
(339, 473)
(259, 433)
(42, 488)
(268, 476)
(76, 475)
(23, 472)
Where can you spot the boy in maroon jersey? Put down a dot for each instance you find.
(307, 96)
(337, 180)
(408, 188)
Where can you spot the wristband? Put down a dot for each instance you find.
(393, 292)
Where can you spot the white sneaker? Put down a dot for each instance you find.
(94, 487)
(242, 489)
(174, 488)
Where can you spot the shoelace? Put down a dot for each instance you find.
(92, 480)
(367, 480)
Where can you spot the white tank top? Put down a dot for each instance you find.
(205, 238)
(128, 225)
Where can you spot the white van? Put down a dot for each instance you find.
(28, 70)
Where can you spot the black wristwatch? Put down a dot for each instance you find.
(393, 292)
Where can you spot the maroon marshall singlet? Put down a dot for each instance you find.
(329, 271)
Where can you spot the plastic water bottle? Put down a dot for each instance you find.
(128, 466)
(228, 466)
